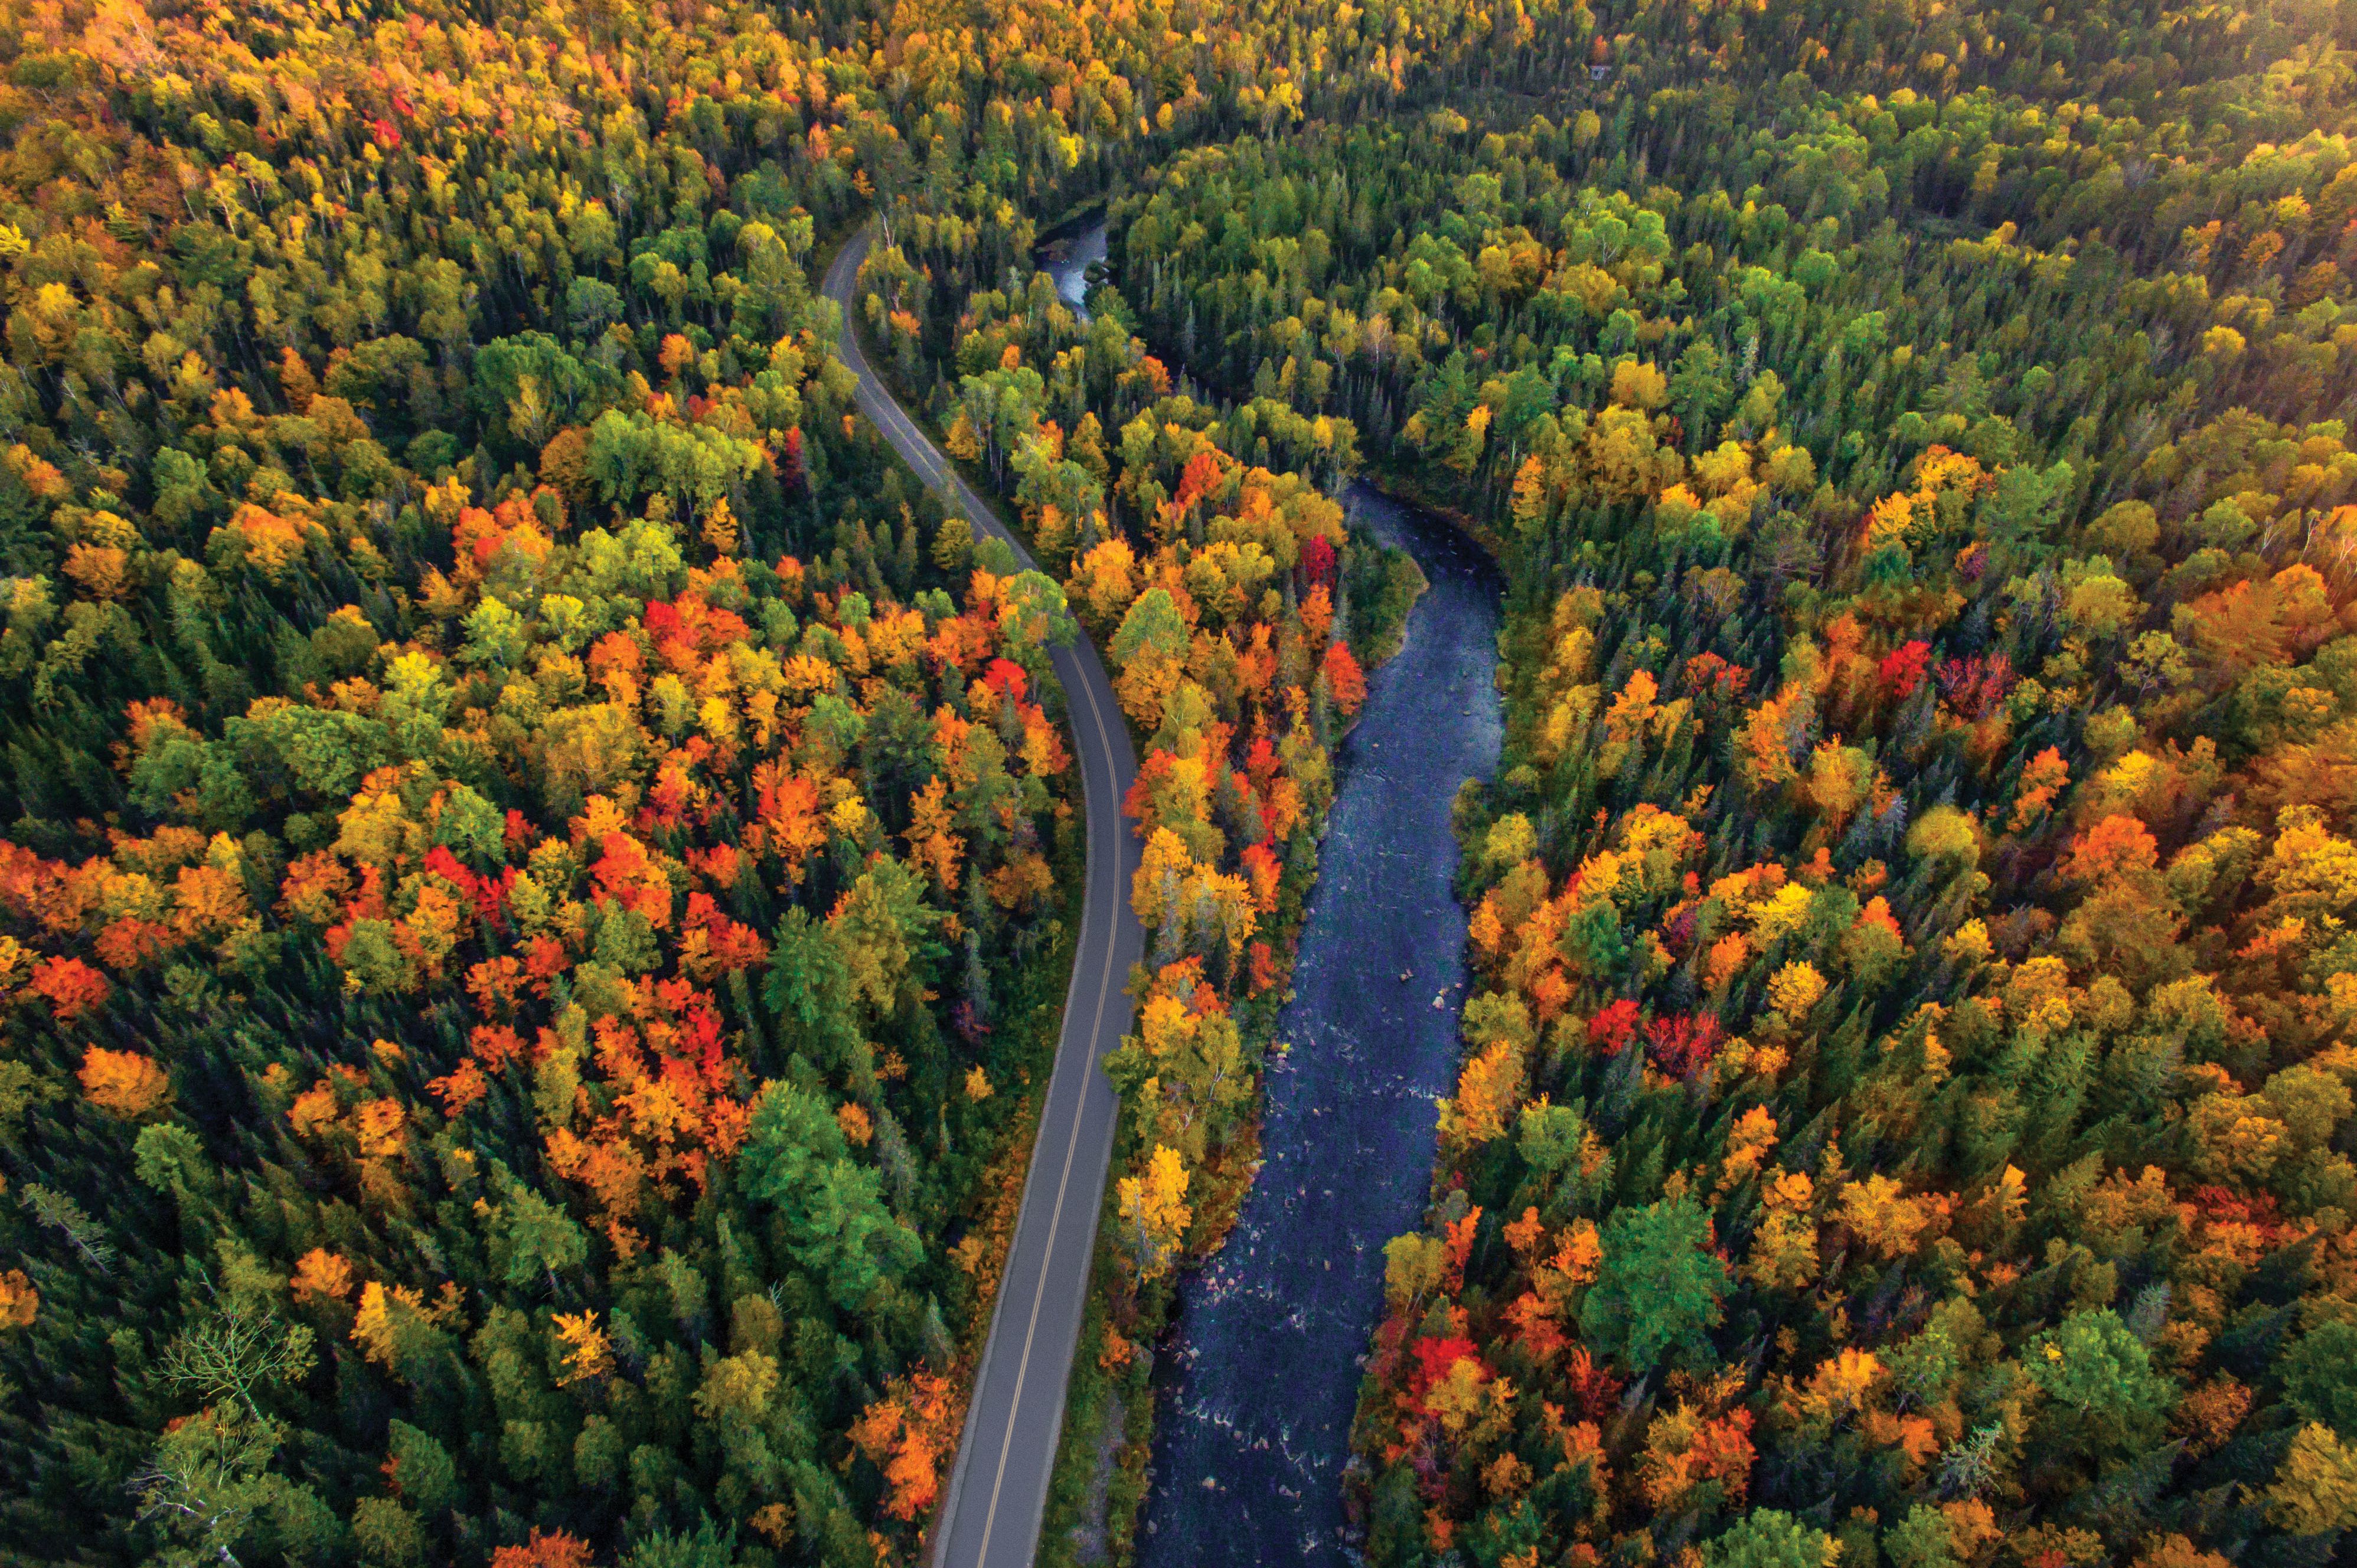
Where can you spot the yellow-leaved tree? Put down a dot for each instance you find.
(123, 1082)
(1154, 1212)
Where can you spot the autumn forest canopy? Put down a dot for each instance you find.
(539, 864)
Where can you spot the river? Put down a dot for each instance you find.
(1261, 1377)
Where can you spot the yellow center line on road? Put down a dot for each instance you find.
(1072, 1146)
(1103, 875)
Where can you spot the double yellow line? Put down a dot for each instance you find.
(1107, 763)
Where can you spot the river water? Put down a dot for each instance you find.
(1262, 1374)
(1068, 253)
(1254, 1424)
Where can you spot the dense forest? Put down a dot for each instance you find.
(536, 861)
(1905, 1111)
(533, 846)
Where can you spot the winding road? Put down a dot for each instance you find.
(998, 1489)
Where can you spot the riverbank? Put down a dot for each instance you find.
(1253, 1389)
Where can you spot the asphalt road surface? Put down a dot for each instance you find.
(999, 1488)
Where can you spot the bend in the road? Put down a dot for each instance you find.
(998, 1488)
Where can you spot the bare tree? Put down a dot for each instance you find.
(236, 1348)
